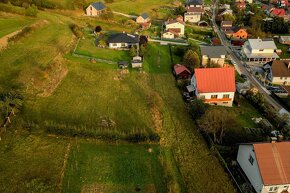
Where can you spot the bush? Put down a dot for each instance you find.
(11, 9)
(31, 11)
(109, 1)
(77, 30)
(21, 34)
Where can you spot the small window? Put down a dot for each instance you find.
(214, 96)
(273, 189)
(123, 44)
(281, 78)
(114, 44)
(226, 96)
(225, 102)
(285, 187)
(261, 50)
(251, 159)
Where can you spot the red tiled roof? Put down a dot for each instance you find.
(278, 12)
(274, 162)
(174, 30)
(215, 80)
(180, 68)
(194, 9)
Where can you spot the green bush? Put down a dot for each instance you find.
(77, 30)
(11, 9)
(31, 11)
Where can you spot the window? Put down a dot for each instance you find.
(225, 102)
(261, 50)
(201, 97)
(114, 44)
(123, 45)
(226, 96)
(281, 78)
(273, 189)
(251, 160)
(285, 187)
(214, 96)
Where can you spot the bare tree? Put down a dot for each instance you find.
(217, 121)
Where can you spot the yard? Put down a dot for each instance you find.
(114, 168)
(284, 47)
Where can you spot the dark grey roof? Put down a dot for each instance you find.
(213, 51)
(194, 2)
(123, 38)
(98, 6)
(144, 15)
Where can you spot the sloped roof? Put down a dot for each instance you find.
(171, 21)
(180, 68)
(123, 38)
(262, 44)
(274, 162)
(194, 2)
(144, 15)
(278, 12)
(280, 68)
(98, 5)
(210, 80)
(213, 51)
(194, 10)
(227, 23)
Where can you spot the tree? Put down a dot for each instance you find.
(143, 50)
(98, 29)
(143, 40)
(179, 10)
(191, 59)
(10, 101)
(229, 17)
(197, 108)
(133, 51)
(216, 122)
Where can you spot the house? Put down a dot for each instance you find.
(237, 33)
(226, 25)
(215, 86)
(143, 18)
(181, 72)
(193, 14)
(284, 39)
(279, 12)
(240, 5)
(282, 3)
(173, 29)
(95, 9)
(278, 71)
(266, 165)
(213, 55)
(259, 50)
(136, 62)
(123, 40)
(194, 3)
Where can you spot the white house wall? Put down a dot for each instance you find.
(264, 51)
(220, 95)
(251, 171)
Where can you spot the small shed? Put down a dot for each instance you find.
(181, 72)
(123, 64)
(137, 62)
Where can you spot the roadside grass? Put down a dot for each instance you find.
(30, 163)
(87, 47)
(114, 168)
(12, 23)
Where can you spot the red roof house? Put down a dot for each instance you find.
(215, 85)
(241, 5)
(181, 71)
(278, 12)
(267, 165)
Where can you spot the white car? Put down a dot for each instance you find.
(233, 62)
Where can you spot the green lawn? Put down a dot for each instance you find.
(114, 168)
(12, 23)
(30, 163)
(284, 47)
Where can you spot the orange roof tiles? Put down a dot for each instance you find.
(274, 162)
(209, 80)
(180, 68)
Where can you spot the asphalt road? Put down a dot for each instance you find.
(240, 64)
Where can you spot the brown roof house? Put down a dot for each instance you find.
(278, 72)
(226, 25)
(173, 29)
(181, 72)
(193, 14)
(144, 21)
(96, 9)
(266, 165)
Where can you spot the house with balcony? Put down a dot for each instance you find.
(266, 165)
(259, 50)
(213, 55)
(215, 86)
(278, 72)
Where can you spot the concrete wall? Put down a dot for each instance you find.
(168, 35)
(192, 18)
(251, 171)
(91, 11)
(218, 101)
(205, 60)
(284, 81)
(280, 188)
(264, 51)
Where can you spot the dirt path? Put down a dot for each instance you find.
(4, 40)
(59, 185)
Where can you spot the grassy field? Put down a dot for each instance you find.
(30, 163)
(98, 100)
(284, 47)
(114, 168)
(11, 23)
